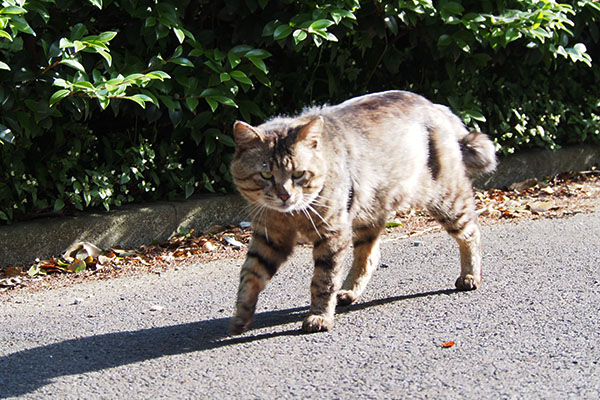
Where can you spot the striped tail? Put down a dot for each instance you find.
(479, 154)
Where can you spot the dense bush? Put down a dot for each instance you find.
(104, 102)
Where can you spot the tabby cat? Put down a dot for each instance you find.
(333, 174)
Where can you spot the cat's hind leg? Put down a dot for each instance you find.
(262, 262)
(458, 216)
(364, 264)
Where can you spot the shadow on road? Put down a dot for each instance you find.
(27, 370)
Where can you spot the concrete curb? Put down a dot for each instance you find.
(134, 225)
(540, 164)
(129, 226)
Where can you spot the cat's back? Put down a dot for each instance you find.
(378, 106)
(391, 119)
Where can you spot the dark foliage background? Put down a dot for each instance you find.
(106, 102)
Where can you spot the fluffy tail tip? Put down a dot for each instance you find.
(479, 154)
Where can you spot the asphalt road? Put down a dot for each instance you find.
(531, 331)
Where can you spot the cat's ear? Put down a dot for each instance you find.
(310, 133)
(244, 134)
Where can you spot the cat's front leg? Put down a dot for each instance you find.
(328, 254)
(262, 262)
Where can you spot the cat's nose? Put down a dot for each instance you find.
(284, 196)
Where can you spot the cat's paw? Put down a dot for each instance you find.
(345, 297)
(238, 325)
(317, 323)
(467, 282)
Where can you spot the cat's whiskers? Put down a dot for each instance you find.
(311, 208)
(305, 211)
(257, 213)
(319, 204)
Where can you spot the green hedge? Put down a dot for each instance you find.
(104, 103)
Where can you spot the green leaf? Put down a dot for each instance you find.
(444, 40)
(19, 23)
(189, 190)
(106, 55)
(234, 60)
(212, 103)
(281, 32)
(4, 66)
(269, 28)
(59, 204)
(241, 77)
(106, 37)
(511, 35)
(258, 63)
(6, 135)
(104, 101)
(160, 75)
(12, 10)
(299, 35)
(58, 96)
(464, 46)
(140, 99)
(331, 37)
(226, 140)
(6, 35)
(77, 266)
(320, 24)
(83, 85)
(97, 3)
(224, 100)
(192, 103)
(73, 64)
(184, 62)
(224, 77)
(180, 34)
(258, 53)
(35, 270)
(151, 96)
(169, 102)
(210, 144)
(476, 115)
(452, 7)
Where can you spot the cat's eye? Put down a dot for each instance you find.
(297, 174)
(266, 175)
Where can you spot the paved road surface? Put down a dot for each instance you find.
(531, 331)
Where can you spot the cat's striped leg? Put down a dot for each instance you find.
(328, 254)
(469, 243)
(459, 218)
(263, 260)
(366, 261)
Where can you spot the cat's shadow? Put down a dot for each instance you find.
(27, 370)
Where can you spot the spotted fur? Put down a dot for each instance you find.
(332, 175)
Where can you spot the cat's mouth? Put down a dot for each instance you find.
(290, 205)
(287, 206)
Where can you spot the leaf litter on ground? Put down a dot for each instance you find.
(556, 197)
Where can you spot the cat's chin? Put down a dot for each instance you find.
(286, 208)
(289, 209)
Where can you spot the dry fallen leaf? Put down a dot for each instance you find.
(76, 250)
(524, 185)
(541, 206)
(446, 345)
(12, 272)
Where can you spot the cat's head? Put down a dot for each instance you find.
(279, 164)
